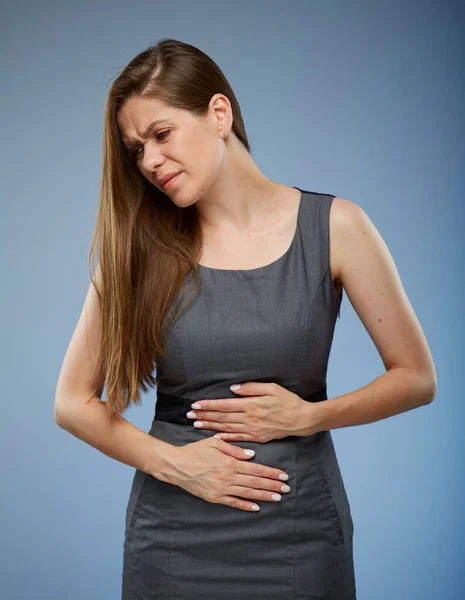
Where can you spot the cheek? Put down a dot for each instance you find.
(209, 159)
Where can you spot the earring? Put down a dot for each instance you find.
(224, 134)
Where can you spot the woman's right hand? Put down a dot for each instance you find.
(218, 472)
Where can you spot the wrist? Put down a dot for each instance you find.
(164, 467)
(313, 418)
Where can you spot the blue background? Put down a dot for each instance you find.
(360, 99)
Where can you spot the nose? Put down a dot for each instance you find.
(152, 158)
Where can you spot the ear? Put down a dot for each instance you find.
(222, 112)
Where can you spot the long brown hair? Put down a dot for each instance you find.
(145, 244)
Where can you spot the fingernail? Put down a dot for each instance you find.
(249, 452)
(236, 386)
(198, 424)
(195, 406)
(284, 476)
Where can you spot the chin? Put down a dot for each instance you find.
(181, 199)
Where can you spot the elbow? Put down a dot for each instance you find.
(59, 415)
(69, 409)
(64, 412)
(429, 386)
(432, 395)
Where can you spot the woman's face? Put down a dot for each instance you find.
(163, 140)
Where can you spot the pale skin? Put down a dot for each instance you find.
(238, 204)
(361, 262)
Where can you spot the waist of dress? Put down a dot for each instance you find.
(173, 409)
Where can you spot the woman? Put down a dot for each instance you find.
(185, 212)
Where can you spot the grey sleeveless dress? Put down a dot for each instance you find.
(270, 324)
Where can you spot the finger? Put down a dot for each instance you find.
(217, 417)
(234, 437)
(222, 427)
(224, 405)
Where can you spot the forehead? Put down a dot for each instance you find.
(139, 114)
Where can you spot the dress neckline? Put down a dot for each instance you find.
(275, 262)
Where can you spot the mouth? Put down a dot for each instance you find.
(171, 182)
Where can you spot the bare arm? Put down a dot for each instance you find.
(80, 411)
(116, 437)
(363, 263)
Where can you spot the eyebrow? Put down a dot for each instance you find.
(130, 143)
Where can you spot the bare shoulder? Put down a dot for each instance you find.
(364, 265)
(344, 215)
(353, 232)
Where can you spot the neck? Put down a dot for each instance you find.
(240, 196)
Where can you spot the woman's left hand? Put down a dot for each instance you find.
(268, 412)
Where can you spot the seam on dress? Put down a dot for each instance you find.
(331, 507)
(296, 470)
(180, 353)
(169, 550)
(130, 558)
(310, 316)
(136, 509)
(134, 585)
